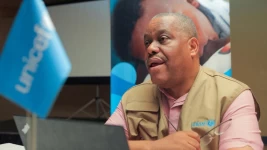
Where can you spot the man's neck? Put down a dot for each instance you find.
(181, 89)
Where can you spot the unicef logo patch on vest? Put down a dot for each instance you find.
(207, 123)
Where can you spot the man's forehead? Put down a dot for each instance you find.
(162, 23)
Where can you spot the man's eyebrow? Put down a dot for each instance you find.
(146, 35)
(159, 32)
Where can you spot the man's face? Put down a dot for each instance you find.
(151, 8)
(168, 51)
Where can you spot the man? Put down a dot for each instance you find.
(131, 16)
(185, 101)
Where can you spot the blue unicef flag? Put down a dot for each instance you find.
(33, 64)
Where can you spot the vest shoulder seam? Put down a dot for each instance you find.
(216, 74)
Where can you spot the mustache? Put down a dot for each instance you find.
(156, 55)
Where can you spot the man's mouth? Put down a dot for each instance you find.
(155, 61)
(155, 64)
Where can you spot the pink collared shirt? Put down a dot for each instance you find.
(244, 129)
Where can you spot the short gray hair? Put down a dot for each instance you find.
(184, 23)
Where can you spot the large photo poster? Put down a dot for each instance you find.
(129, 19)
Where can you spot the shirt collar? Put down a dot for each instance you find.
(171, 100)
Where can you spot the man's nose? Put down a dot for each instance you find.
(153, 48)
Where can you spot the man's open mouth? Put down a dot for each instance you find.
(155, 61)
(155, 64)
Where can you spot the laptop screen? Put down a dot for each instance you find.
(55, 134)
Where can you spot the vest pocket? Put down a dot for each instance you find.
(142, 120)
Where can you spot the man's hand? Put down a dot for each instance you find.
(182, 140)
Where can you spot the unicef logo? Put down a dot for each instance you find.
(211, 123)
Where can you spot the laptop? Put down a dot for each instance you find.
(59, 134)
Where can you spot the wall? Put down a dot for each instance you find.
(84, 29)
(249, 49)
(8, 10)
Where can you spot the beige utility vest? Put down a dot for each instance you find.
(204, 107)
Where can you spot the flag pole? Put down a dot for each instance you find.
(32, 137)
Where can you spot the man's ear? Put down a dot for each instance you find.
(193, 46)
(195, 3)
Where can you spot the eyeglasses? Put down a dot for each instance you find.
(207, 137)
